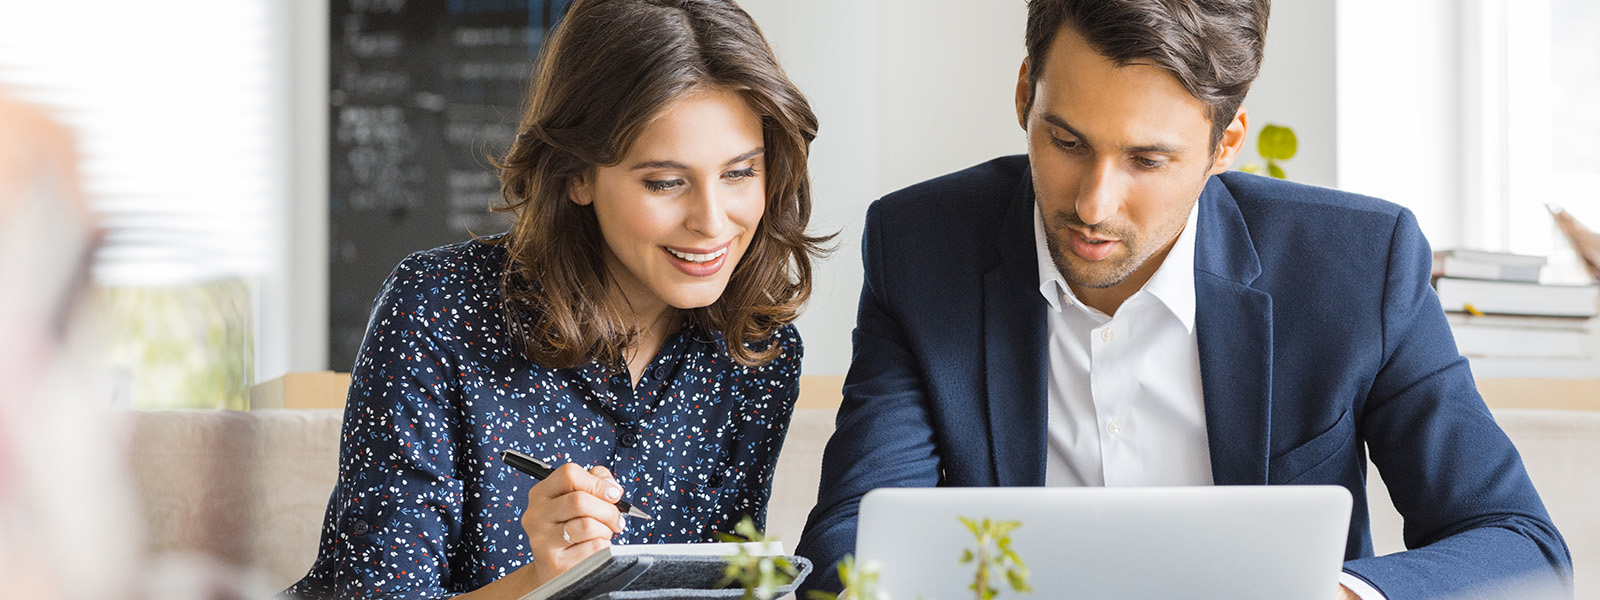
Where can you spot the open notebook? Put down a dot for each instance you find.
(656, 571)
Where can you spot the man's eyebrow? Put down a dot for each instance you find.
(1155, 148)
(672, 164)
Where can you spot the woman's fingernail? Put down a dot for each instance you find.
(613, 492)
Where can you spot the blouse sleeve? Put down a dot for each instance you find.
(763, 421)
(395, 513)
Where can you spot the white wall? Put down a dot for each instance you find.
(1398, 108)
(905, 90)
(307, 214)
(1296, 89)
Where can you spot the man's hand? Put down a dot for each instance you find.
(1346, 594)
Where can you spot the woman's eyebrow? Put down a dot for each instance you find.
(672, 164)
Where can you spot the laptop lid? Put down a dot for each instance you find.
(1180, 542)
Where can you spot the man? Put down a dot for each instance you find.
(1116, 309)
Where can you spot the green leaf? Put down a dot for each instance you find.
(1277, 142)
(966, 556)
(1006, 527)
(1276, 171)
(747, 528)
(971, 526)
(820, 595)
(1251, 168)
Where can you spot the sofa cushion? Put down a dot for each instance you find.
(248, 488)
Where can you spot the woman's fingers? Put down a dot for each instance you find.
(576, 505)
(585, 529)
(570, 478)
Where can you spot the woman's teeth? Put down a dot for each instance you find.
(699, 258)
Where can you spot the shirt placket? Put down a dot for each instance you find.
(1110, 380)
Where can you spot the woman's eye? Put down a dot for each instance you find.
(741, 173)
(662, 185)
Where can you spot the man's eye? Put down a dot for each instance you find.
(1148, 163)
(1066, 144)
(655, 185)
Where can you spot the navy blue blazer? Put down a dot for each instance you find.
(1320, 341)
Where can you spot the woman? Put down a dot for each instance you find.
(636, 318)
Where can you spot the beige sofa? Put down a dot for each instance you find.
(253, 485)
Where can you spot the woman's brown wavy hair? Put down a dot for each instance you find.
(605, 73)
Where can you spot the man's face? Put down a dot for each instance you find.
(1119, 156)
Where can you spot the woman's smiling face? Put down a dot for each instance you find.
(680, 209)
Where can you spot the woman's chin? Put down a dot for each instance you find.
(699, 295)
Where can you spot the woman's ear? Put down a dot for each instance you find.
(580, 189)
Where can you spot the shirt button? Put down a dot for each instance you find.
(1115, 426)
(1108, 335)
(661, 372)
(628, 439)
(361, 528)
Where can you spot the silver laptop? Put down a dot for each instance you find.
(1261, 542)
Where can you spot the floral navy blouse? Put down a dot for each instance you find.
(424, 508)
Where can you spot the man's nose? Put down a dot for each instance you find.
(1101, 194)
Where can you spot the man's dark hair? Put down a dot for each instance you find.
(1213, 47)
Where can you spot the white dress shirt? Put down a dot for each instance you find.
(1125, 403)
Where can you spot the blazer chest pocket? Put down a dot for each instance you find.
(1302, 463)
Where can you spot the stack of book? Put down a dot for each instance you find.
(1510, 325)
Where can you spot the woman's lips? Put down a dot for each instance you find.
(698, 262)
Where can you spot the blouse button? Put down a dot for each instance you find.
(361, 528)
(628, 439)
(661, 372)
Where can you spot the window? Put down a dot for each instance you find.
(1532, 78)
(179, 117)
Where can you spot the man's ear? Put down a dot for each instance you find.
(1022, 96)
(1232, 142)
(580, 189)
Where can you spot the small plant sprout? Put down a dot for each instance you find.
(760, 576)
(1275, 144)
(994, 553)
(860, 582)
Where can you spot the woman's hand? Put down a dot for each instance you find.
(570, 515)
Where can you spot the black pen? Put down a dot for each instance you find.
(541, 471)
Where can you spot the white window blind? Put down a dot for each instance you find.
(1531, 132)
(178, 126)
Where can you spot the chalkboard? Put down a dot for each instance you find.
(421, 92)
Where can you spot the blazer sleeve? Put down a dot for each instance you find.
(395, 512)
(884, 435)
(1474, 525)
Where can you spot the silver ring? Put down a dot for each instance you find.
(564, 537)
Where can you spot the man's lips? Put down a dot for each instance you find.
(1091, 248)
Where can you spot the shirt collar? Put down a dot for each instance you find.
(1172, 283)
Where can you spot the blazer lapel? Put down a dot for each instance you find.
(1015, 353)
(1234, 325)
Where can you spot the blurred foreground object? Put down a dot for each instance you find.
(66, 528)
(1585, 242)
